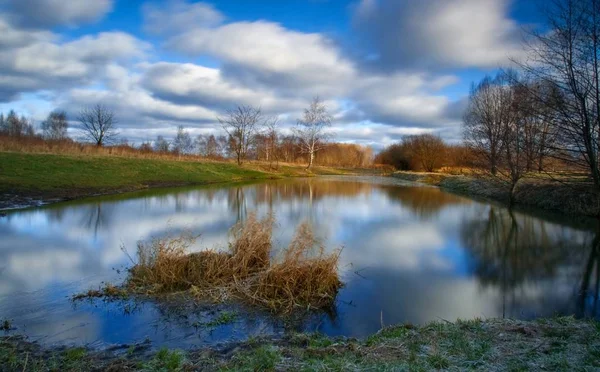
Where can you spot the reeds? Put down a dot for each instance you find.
(301, 276)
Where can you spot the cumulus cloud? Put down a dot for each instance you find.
(178, 15)
(266, 53)
(50, 13)
(438, 33)
(39, 60)
(260, 63)
(187, 83)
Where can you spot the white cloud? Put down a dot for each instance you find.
(187, 83)
(259, 63)
(266, 53)
(178, 15)
(38, 60)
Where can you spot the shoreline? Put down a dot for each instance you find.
(33, 179)
(560, 343)
(540, 195)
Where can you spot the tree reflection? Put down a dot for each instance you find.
(424, 202)
(590, 282)
(94, 217)
(510, 250)
(238, 202)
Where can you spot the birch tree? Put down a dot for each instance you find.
(311, 130)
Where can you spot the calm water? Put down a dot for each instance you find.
(411, 254)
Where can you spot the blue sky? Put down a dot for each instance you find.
(385, 68)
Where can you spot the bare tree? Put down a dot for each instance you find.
(241, 124)
(567, 59)
(55, 126)
(484, 128)
(161, 144)
(208, 146)
(16, 126)
(496, 125)
(272, 137)
(428, 150)
(311, 129)
(182, 144)
(98, 124)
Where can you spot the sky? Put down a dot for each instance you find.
(385, 68)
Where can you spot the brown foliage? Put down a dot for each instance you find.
(424, 152)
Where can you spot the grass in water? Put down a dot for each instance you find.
(303, 276)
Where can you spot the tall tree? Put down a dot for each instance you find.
(311, 130)
(241, 124)
(182, 144)
(98, 124)
(161, 144)
(484, 126)
(567, 59)
(55, 126)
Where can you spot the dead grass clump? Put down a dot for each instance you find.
(305, 277)
(302, 276)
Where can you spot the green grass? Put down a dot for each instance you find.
(52, 176)
(57, 173)
(494, 344)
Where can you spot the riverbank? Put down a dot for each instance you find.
(495, 344)
(31, 179)
(540, 193)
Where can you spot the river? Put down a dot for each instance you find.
(411, 254)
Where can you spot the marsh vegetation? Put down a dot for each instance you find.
(301, 277)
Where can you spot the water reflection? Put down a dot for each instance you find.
(411, 254)
(516, 253)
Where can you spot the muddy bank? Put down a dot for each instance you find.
(575, 200)
(493, 344)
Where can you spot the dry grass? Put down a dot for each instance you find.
(302, 276)
(70, 147)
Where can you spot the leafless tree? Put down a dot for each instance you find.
(208, 146)
(55, 126)
(484, 127)
(539, 131)
(567, 59)
(16, 126)
(428, 150)
(161, 144)
(241, 124)
(311, 129)
(182, 144)
(98, 124)
(496, 125)
(272, 137)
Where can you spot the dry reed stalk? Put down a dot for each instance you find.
(302, 277)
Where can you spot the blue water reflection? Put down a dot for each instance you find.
(411, 254)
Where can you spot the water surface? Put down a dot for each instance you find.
(410, 254)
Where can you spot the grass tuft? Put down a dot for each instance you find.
(302, 276)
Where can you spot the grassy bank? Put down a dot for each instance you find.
(26, 178)
(561, 344)
(542, 193)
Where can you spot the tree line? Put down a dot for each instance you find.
(248, 134)
(543, 110)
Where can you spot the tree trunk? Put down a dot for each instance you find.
(311, 158)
